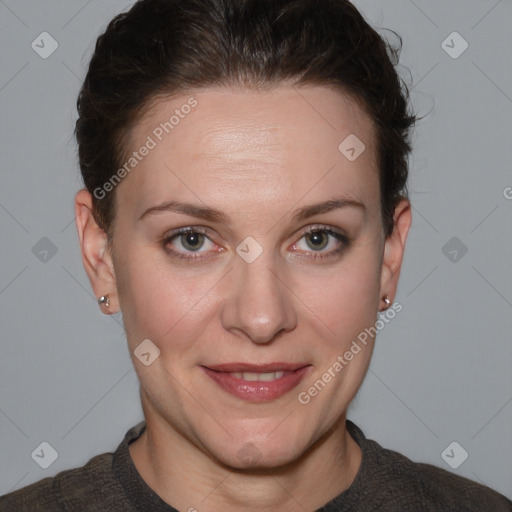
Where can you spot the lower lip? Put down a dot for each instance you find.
(257, 391)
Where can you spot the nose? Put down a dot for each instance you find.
(258, 303)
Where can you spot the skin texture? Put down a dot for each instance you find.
(257, 157)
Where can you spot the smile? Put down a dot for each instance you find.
(257, 386)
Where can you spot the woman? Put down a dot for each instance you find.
(245, 165)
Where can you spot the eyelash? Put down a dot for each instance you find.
(318, 228)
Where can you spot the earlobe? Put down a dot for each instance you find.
(96, 254)
(394, 248)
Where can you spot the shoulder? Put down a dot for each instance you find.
(431, 487)
(95, 486)
(70, 489)
(389, 481)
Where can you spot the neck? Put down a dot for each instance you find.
(187, 478)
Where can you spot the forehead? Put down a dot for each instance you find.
(228, 144)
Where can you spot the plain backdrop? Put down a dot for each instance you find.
(441, 370)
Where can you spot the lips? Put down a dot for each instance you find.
(257, 383)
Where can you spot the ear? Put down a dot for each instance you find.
(394, 247)
(96, 252)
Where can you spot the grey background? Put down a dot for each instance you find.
(441, 368)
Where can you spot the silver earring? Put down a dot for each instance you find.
(387, 301)
(104, 300)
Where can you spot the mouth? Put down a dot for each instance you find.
(257, 383)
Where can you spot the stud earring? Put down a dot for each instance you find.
(387, 301)
(104, 300)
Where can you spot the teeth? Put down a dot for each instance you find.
(269, 376)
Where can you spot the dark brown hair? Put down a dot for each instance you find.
(164, 47)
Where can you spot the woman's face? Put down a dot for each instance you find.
(251, 291)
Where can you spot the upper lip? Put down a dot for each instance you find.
(256, 368)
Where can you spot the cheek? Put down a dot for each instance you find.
(342, 302)
(160, 302)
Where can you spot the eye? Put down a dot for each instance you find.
(317, 238)
(191, 239)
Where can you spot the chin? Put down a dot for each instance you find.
(257, 452)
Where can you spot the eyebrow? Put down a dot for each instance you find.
(214, 215)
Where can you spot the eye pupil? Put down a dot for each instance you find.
(191, 240)
(319, 238)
